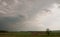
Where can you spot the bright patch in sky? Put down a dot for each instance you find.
(47, 18)
(52, 19)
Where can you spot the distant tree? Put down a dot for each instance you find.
(3, 31)
(48, 31)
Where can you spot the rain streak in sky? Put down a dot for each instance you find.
(29, 15)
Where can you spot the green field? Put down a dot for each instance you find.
(29, 34)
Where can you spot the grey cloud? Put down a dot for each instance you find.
(6, 21)
(24, 10)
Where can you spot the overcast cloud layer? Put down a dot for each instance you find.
(29, 15)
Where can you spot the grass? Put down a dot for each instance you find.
(29, 34)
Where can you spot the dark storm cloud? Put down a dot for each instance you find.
(6, 21)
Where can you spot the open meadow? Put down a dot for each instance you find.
(30, 34)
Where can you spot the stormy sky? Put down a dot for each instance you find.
(29, 15)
